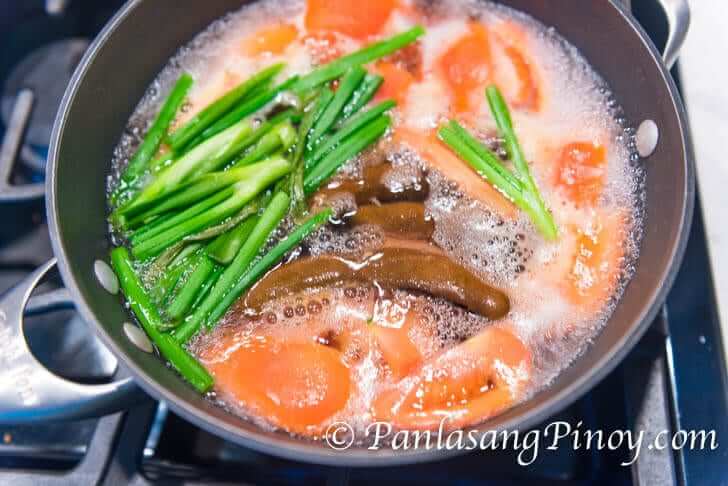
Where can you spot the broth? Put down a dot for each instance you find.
(376, 341)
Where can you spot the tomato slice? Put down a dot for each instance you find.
(581, 171)
(467, 66)
(439, 157)
(349, 17)
(390, 327)
(597, 260)
(398, 351)
(528, 94)
(513, 39)
(296, 385)
(274, 39)
(397, 82)
(465, 385)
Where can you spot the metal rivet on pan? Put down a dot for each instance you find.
(137, 337)
(647, 136)
(106, 277)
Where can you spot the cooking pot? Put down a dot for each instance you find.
(107, 85)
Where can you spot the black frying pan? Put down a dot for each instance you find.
(106, 87)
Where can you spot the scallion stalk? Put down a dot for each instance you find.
(148, 316)
(207, 184)
(313, 112)
(347, 129)
(502, 116)
(200, 122)
(489, 167)
(243, 192)
(182, 169)
(182, 302)
(280, 138)
(349, 82)
(370, 53)
(266, 262)
(145, 233)
(344, 152)
(248, 107)
(224, 248)
(269, 220)
(207, 286)
(360, 98)
(139, 162)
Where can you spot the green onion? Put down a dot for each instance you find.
(153, 139)
(147, 222)
(280, 138)
(243, 192)
(487, 165)
(347, 129)
(269, 220)
(186, 296)
(274, 124)
(344, 152)
(200, 122)
(508, 186)
(207, 184)
(502, 116)
(205, 290)
(214, 231)
(315, 109)
(370, 53)
(201, 207)
(488, 157)
(181, 170)
(325, 96)
(148, 316)
(164, 287)
(349, 82)
(248, 107)
(161, 161)
(183, 254)
(269, 259)
(361, 97)
(224, 248)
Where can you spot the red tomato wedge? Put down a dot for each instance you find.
(274, 39)
(467, 66)
(398, 351)
(528, 94)
(359, 20)
(440, 158)
(295, 385)
(581, 171)
(397, 82)
(464, 385)
(597, 261)
(513, 40)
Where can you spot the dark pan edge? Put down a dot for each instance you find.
(360, 457)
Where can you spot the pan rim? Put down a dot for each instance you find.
(300, 450)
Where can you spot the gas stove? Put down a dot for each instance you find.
(675, 379)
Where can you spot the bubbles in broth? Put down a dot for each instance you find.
(581, 155)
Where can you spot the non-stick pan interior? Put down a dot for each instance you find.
(137, 44)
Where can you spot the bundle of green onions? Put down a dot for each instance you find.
(519, 188)
(199, 212)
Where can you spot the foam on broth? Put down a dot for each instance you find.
(576, 105)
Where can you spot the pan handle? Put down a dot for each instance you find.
(678, 21)
(28, 391)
